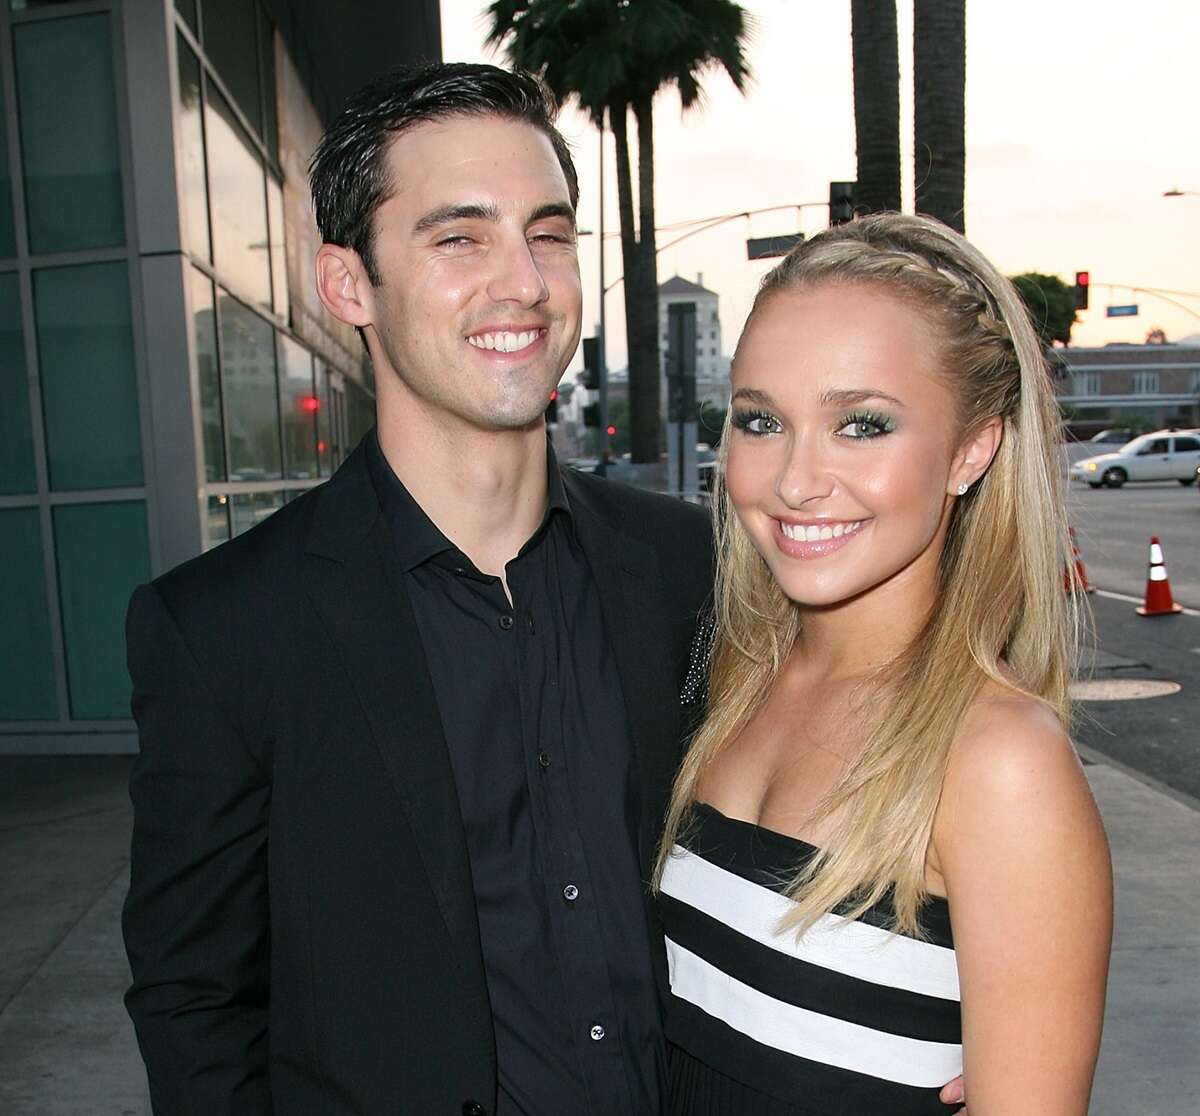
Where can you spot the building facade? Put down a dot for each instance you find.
(712, 366)
(168, 377)
(1150, 387)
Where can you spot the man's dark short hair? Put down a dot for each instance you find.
(348, 174)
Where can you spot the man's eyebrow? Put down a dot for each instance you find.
(444, 214)
(553, 209)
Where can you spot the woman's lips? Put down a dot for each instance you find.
(796, 541)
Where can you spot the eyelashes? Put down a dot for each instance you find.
(856, 426)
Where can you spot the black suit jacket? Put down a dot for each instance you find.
(300, 922)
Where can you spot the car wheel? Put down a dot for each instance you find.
(1093, 484)
(1185, 481)
(1114, 478)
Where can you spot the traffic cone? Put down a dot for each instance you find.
(1076, 580)
(1158, 588)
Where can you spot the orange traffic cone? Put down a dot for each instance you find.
(1158, 588)
(1076, 580)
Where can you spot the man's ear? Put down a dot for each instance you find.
(975, 454)
(343, 285)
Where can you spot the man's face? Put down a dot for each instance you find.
(479, 305)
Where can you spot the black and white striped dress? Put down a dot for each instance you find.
(849, 1019)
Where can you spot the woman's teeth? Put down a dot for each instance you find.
(814, 533)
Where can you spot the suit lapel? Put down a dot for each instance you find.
(630, 580)
(357, 589)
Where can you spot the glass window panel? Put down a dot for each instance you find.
(239, 204)
(360, 414)
(26, 656)
(191, 152)
(89, 390)
(251, 395)
(251, 508)
(279, 287)
(231, 45)
(217, 526)
(204, 333)
(8, 242)
(103, 555)
(324, 452)
(266, 71)
(16, 434)
(69, 134)
(187, 9)
(299, 405)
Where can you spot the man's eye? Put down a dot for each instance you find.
(454, 241)
(550, 238)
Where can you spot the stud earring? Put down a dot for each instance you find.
(961, 489)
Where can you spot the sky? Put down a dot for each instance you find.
(1078, 117)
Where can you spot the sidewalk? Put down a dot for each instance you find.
(67, 1048)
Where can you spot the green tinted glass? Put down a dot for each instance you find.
(194, 185)
(16, 436)
(299, 405)
(26, 659)
(250, 509)
(103, 555)
(204, 331)
(8, 243)
(89, 392)
(69, 133)
(217, 524)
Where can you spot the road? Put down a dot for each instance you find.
(1113, 528)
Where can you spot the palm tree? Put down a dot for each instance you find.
(612, 57)
(876, 104)
(939, 78)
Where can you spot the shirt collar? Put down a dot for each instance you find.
(418, 538)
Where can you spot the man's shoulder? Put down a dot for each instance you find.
(651, 514)
(263, 556)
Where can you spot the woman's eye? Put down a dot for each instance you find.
(752, 423)
(863, 428)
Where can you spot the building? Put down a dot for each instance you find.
(712, 367)
(167, 375)
(1148, 386)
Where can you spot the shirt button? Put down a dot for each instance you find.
(597, 1032)
(506, 622)
(570, 893)
(543, 759)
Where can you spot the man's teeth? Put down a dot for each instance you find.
(814, 533)
(505, 342)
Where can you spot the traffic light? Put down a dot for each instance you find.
(841, 202)
(552, 409)
(590, 378)
(1082, 282)
(591, 414)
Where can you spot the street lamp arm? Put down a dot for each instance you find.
(713, 222)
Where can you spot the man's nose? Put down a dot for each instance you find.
(805, 475)
(516, 276)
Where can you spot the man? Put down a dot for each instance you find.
(405, 747)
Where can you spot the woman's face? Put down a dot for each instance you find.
(844, 446)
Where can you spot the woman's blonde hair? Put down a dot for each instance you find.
(1001, 612)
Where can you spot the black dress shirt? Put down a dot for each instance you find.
(537, 730)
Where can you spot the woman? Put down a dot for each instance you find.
(882, 865)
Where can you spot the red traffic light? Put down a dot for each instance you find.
(309, 404)
(1082, 278)
(611, 431)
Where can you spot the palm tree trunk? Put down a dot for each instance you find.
(876, 104)
(939, 80)
(641, 301)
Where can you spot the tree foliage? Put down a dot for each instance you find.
(611, 57)
(1051, 305)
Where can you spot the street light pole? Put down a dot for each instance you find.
(602, 371)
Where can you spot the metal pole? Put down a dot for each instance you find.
(603, 333)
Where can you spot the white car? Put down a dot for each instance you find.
(1163, 455)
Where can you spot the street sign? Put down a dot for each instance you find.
(1128, 311)
(765, 247)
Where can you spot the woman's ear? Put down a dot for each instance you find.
(975, 455)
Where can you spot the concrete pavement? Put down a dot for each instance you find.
(67, 1048)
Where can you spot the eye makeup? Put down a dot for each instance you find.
(755, 422)
(864, 425)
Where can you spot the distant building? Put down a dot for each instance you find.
(168, 377)
(1156, 385)
(712, 366)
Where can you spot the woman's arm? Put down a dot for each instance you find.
(1019, 844)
